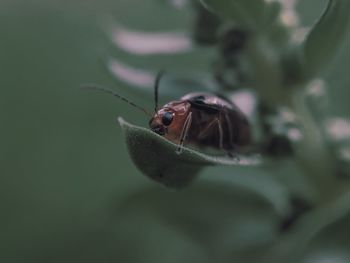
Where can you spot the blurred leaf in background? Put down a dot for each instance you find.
(68, 189)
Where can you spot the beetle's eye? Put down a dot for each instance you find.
(167, 118)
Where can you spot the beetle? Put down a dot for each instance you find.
(198, 118)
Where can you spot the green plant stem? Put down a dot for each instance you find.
(312, 152)
(266, 69)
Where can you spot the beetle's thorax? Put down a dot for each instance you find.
(171, 131)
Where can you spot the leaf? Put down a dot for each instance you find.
(250, 14)
(332, 244)
(325, 37)
(226, 222)
(155, 156)
(323, 226)
(255, 180)
(150, 43)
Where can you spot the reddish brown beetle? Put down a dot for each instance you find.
(201, 119)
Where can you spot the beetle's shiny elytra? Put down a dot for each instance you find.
(202, 119)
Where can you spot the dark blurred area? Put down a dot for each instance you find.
(68, 190)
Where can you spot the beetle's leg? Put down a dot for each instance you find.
(232, 152)
(230, 131)
(204, 132)
(184, 133)
(221, 134)
(215, 122)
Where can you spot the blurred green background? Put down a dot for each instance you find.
(69, 192)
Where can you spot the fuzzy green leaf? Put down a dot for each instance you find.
(156, 157)
(250, 14)
(325, 37)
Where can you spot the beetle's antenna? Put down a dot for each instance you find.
(156, 87)
(109, 91)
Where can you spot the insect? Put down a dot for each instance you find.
(201, 119)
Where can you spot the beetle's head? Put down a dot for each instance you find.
(169, 120)
(162, 120)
